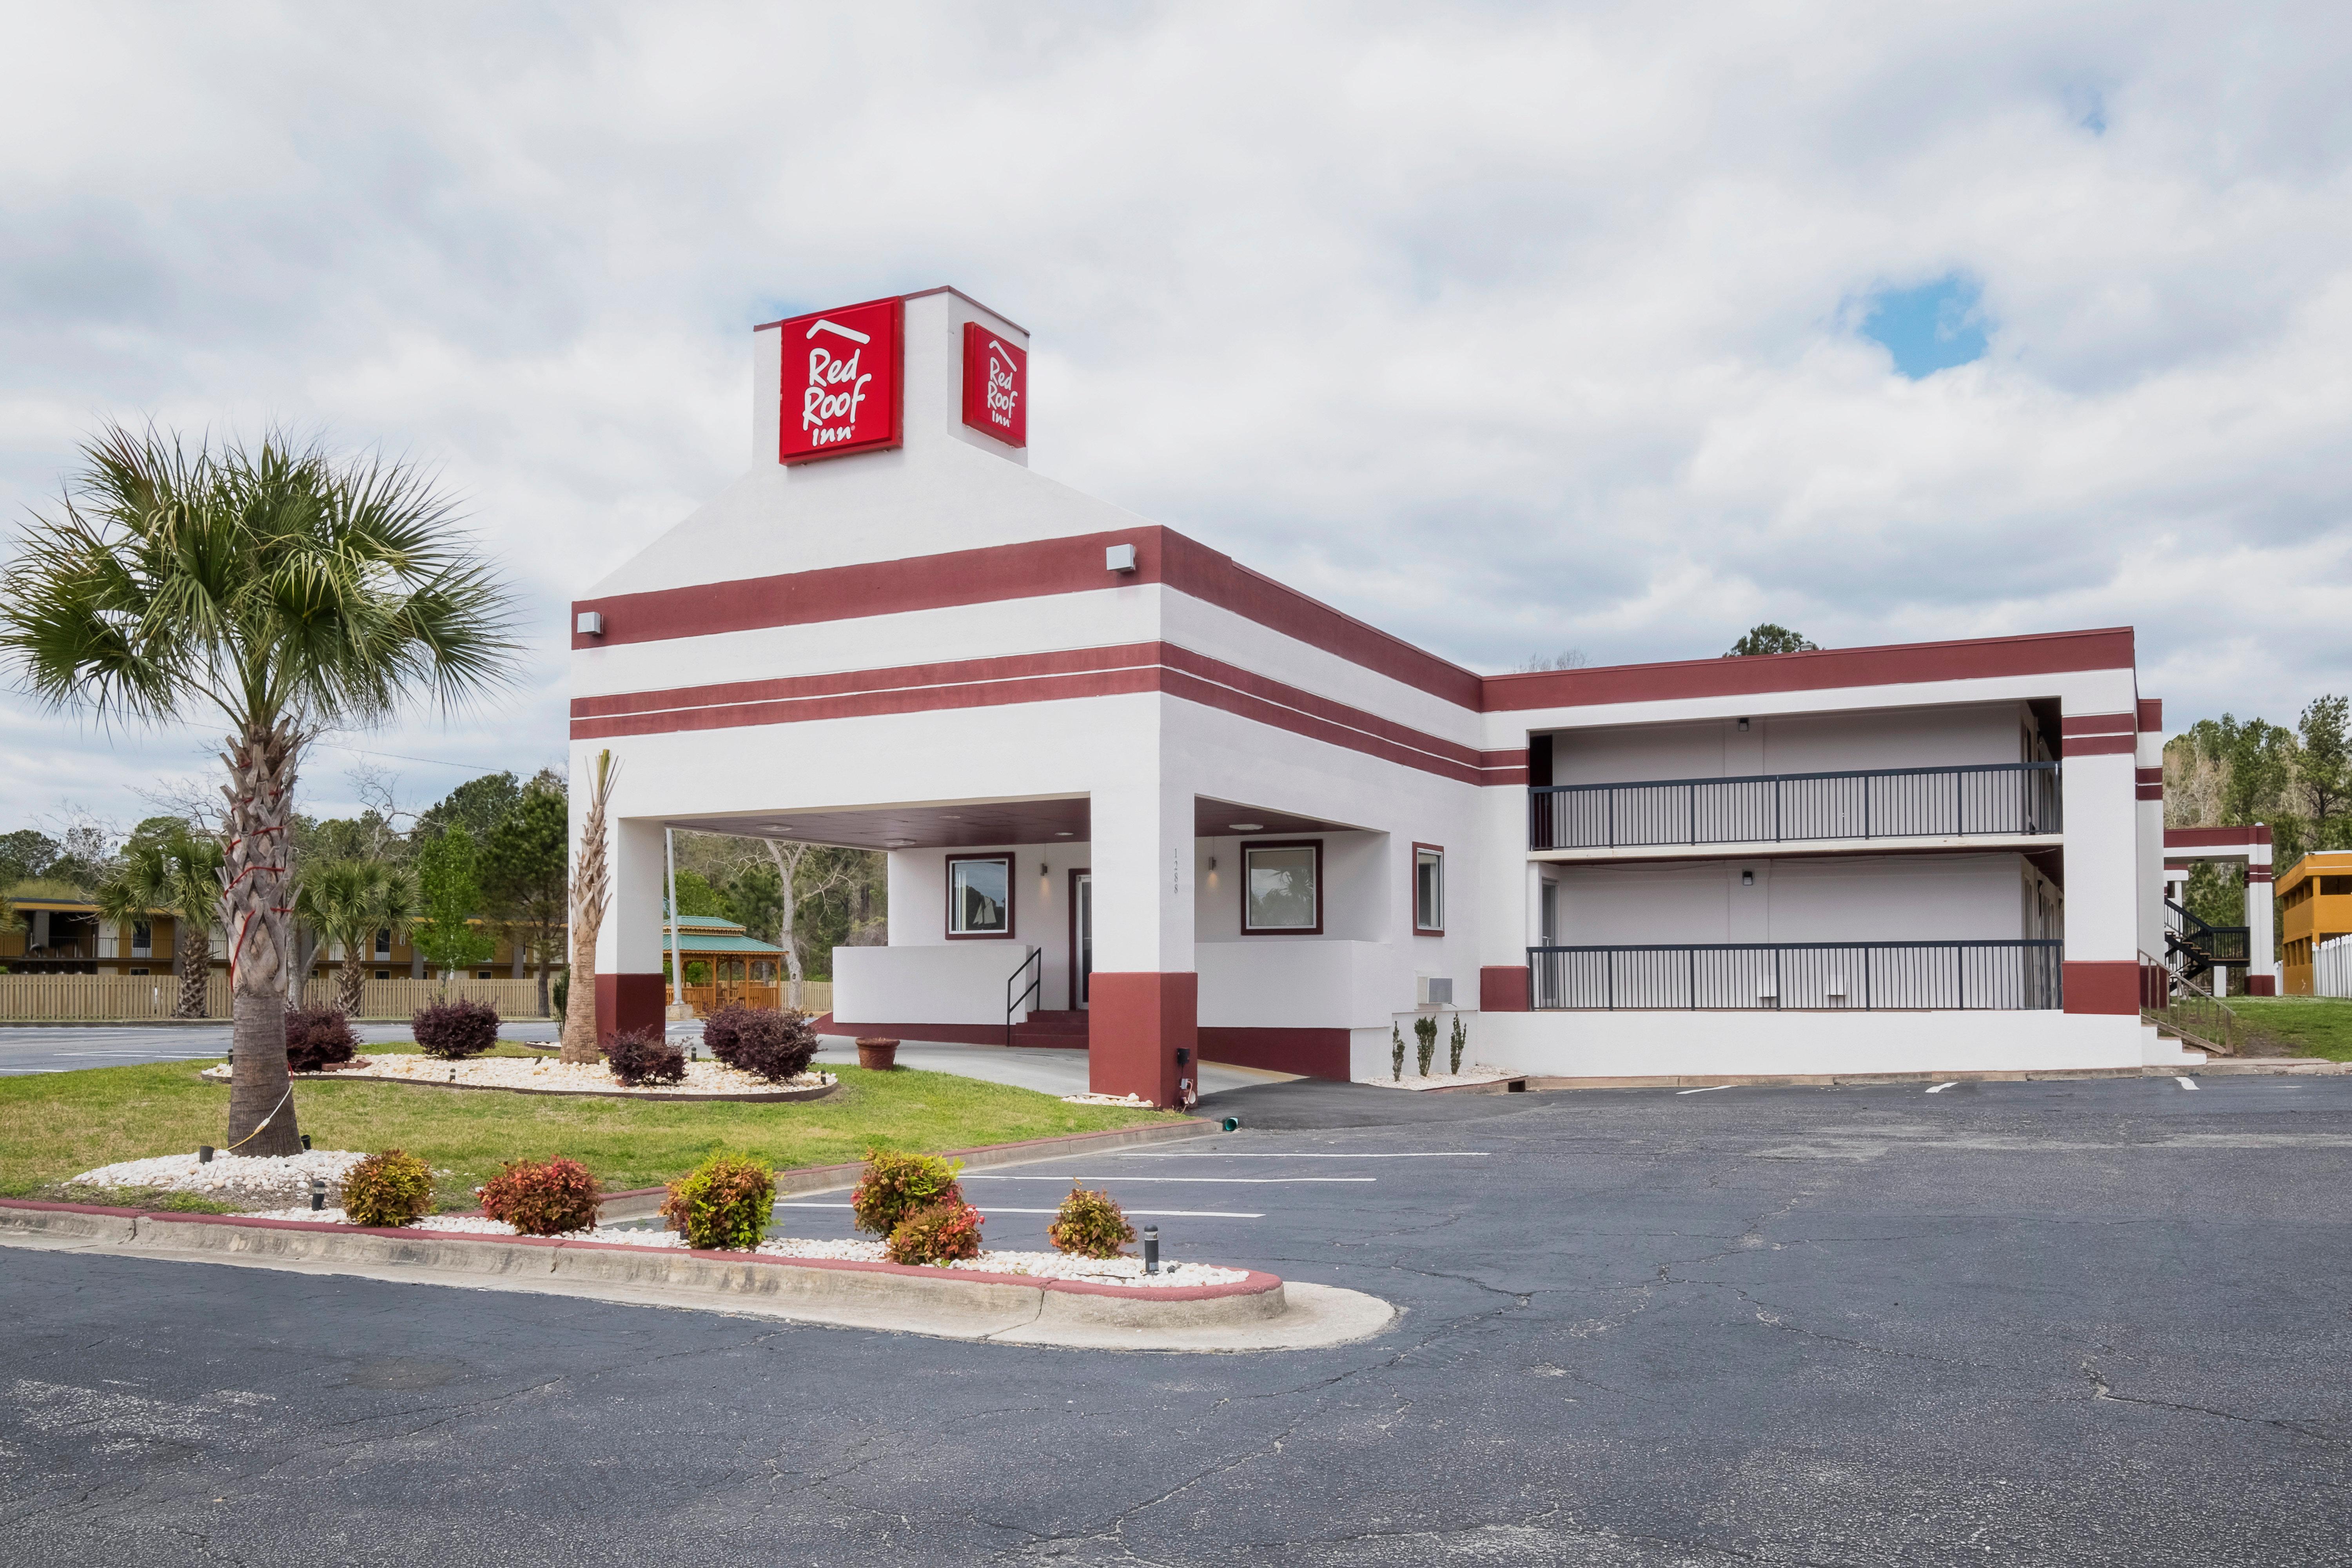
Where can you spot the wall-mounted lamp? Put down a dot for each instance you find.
(1041, 870)
(1743, 725)
(589, 623)
(1118, 558)
(1748, 879)
(1212, 862)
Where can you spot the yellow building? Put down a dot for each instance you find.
(57, 932)
(2314, 897)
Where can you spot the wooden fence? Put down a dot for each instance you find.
(133, 998)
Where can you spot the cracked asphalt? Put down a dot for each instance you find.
(2006, 1323)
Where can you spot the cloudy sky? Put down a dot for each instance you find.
(1512, 330)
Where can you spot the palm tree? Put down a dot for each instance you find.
(348, 901)
(180, 873)
(282, 591)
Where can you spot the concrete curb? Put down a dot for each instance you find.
(1255, 1313)
(640, 1203)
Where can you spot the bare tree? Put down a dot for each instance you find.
(789, 858)
(1566, 659)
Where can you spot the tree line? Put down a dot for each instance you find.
(2233, 773)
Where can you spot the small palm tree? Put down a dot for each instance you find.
(179, 873)
(283, 592)
(348, 902)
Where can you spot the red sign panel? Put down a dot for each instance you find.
(995, 386)
(841, 381)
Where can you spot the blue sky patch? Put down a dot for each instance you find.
(1930, 328)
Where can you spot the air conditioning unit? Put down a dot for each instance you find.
(1434, 990)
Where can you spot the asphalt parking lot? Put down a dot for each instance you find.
(2017, 1323)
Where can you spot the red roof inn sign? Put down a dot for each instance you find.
(995, 386)
(841, 381)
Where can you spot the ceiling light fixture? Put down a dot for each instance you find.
(1246, 827)
(1064, 833)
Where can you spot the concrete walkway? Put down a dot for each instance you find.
(1047, 1071)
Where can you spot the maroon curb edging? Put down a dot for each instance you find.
(1256, 1283)
(775, 1097)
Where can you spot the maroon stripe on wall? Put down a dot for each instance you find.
(1027, 571)
(2050, 653)
(1039, 677)
(2101, 986)
(2215, 838)
(2074, 724)
(2151, 715)
(2101, 745)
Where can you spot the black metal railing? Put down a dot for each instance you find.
(1771, 808)
(1827, 976)
(1034, 968)
(2194, 948)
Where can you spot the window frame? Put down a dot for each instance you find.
(1414, 894)
(1250, 843)
(1004, 858)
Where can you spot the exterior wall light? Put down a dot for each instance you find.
(1748, 879)
(591, 623)
(1743, 726)
(1118, 558)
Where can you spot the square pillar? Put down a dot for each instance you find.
(2262, 973)
(629, 993)
(1143, 1018)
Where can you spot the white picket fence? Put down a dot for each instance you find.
(2331, 968)
(130, 998)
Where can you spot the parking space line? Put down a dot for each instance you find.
(1155, 1213)
(1710, 1089)
(1940, 1087)
(1193, 1181)
(1249, 1154)
(2185, 1082)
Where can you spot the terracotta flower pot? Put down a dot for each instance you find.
(878, 1055)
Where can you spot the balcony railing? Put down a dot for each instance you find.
(1775, 809)
(1862, 976)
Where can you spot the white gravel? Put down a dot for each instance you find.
(232, 1178)
(1131, 1100)
(1036, 1265)
(519, 1072)
(1472, 1074)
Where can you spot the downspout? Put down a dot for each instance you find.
(676, 968)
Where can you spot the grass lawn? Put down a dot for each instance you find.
(2312, 1025)
(56, 1125)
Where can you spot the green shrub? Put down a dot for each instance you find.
(542, 1197)
(559, 994)
(936, 1233)
(1425, 1035)
(1396, 1053)
(389, 1188)
(1455, 1046)
(725, 1203)
(895, 1186)
(1090, 1225)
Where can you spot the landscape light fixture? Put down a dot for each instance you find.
(204, 1153)
(318, 1194)
(1151, 1249)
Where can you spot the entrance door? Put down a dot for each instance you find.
(1082, 936)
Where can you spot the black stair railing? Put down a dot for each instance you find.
(1033, 966)
(2004, 798)
(2193, 947)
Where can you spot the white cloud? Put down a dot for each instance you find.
(1506, 329)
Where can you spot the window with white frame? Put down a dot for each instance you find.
(979, 895)
(1282, 889)
(1429, 889)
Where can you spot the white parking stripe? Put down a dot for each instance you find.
(1193, 1181)
(2185, 1082)
(1248, 1154)
(1940, 1087)
(1710, 1089)
(1157, 1213)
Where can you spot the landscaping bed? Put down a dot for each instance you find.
(56, 1125)
(545, 1074)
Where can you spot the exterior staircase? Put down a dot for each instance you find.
(2192, 949)
(1063, 1027)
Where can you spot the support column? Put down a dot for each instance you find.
(1142, 1023)
(628, 949)
(2261, 956)
(2098, 781)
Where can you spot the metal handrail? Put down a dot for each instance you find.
(1859, 802)
(1036, 987)
(2195, 1014)
(2021, 975)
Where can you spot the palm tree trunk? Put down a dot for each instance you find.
(258, 894)
(539, 952)
(591, 887)
(192, 960)
(348, 981)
